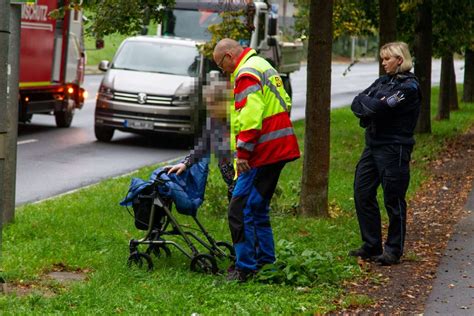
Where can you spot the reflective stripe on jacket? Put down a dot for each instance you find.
(261, 121)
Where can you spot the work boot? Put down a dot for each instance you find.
(363, 254)
(231, 268)
(239, 275)
(387, 259)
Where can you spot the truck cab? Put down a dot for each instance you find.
(191, 19)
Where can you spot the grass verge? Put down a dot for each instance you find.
(87, 231)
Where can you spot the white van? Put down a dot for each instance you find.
(151, 86)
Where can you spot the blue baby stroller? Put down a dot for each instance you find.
(152, 203)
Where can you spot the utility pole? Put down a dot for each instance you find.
(12, 113)
(10, 17)
(4, 97)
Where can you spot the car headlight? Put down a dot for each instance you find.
(184, 93)
(106, 92)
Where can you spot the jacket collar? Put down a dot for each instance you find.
(401, 76)
(244, 56)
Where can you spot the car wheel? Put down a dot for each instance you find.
(104, 133)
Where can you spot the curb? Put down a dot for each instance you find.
(452, 292)
(93, 70)
(162, 163)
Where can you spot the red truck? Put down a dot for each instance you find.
(52, 62)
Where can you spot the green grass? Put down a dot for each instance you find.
(88, 230)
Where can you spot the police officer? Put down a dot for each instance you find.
(388, 110)
(264, 142)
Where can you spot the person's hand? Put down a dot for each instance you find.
(242, 165)
(178, 168)
(394, 99)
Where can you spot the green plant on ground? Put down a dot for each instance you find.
(356, 301)
(411, 256)
(305, 268)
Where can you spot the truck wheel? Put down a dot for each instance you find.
(26, 118)
(104, 133)
(64, 118)
(287, 85)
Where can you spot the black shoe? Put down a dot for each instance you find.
(363, 254)
(387, 259)
(239, 275)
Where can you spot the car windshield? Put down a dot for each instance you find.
(158, 57)
(190, 24)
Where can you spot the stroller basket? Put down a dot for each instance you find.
(152, 204)
(142, 209)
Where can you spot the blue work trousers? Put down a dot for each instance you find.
(249, 221)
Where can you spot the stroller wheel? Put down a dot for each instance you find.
(227, 248)
(157, 250)
(137, 258)
(204, 263)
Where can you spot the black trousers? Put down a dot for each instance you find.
(386, 165)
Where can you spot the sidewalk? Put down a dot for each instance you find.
(453, 288)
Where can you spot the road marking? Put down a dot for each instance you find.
(22, 142)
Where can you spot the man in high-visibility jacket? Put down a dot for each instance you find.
(264, 143)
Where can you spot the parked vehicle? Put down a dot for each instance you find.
(52, 62)
(150, 86)
(153, 84)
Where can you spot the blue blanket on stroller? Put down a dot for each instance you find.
(186, 190)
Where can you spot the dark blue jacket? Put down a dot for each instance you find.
(389, 109)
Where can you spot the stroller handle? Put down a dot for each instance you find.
(158, 179)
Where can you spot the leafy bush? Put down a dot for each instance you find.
(305, 268)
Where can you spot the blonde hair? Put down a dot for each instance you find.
(398, 49)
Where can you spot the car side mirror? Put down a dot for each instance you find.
(99, 43)
(104, 65)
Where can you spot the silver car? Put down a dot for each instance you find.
(150, 87)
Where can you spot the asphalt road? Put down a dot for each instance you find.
(52, 161)
(345, 87)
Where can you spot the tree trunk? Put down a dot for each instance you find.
(314, 183)
(444, 87)
(423, 53)
(387, 25)
(453, 90)
(468, 94)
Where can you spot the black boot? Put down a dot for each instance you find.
(363, 254)
(387, 259)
